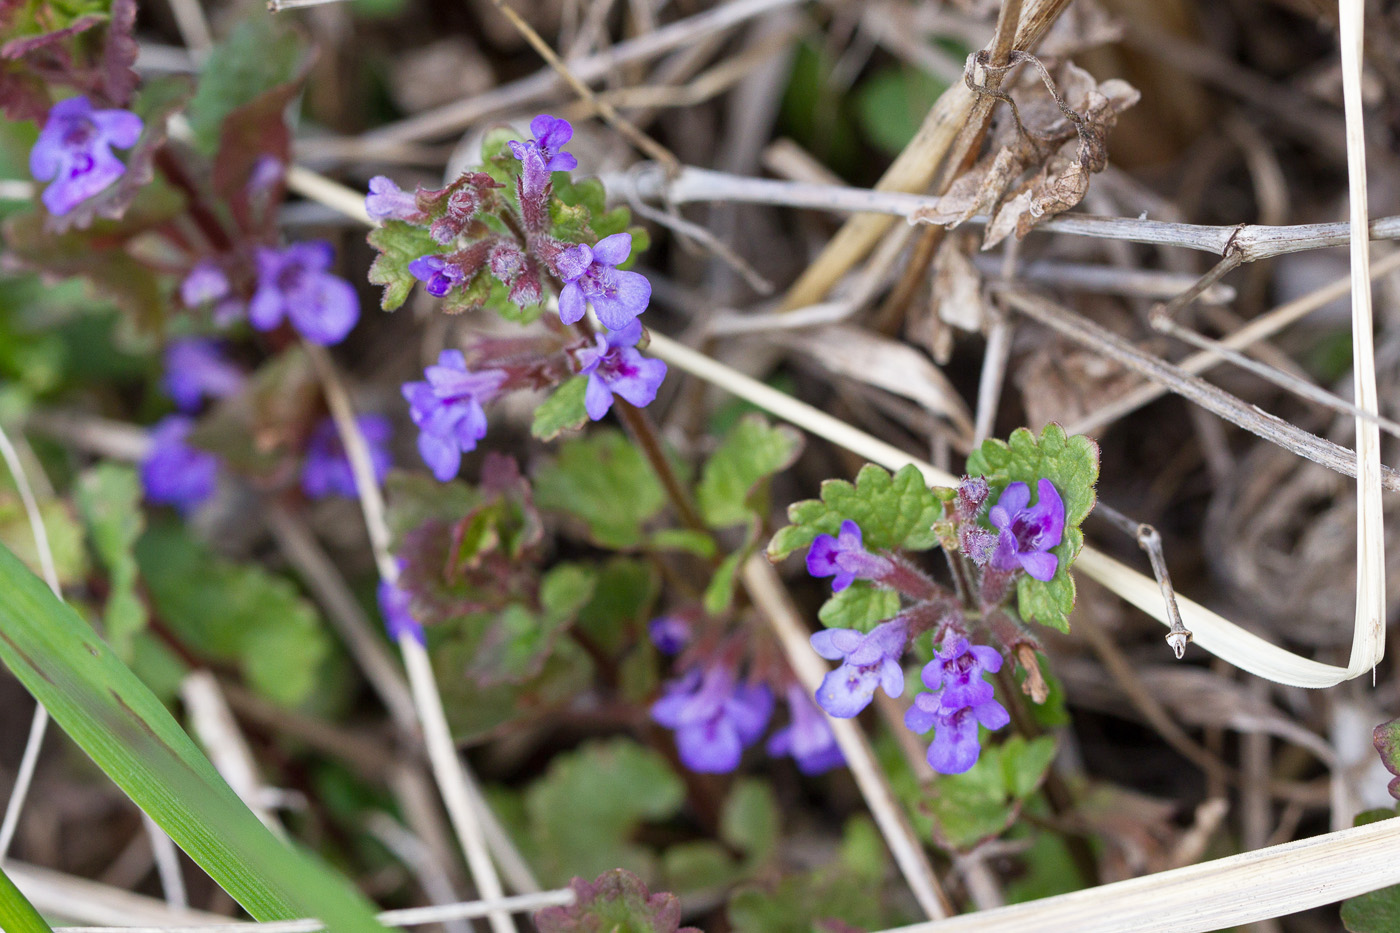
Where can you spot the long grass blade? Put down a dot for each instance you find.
(17, 915)
(130, 735)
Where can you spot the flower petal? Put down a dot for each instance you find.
(1039, 564)
(611, 250)
(571, 304)
(597, 397)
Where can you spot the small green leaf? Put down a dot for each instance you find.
(257, 56)
(892, 103)
(720, 593)
(562, 411)
(620, 605)
(605, 482)
(588, 806)
(1072, 465)
(477, 710)
(893, 512)
(687, 540)
(982, 802)
(750, 821)
(565, 590)
(751, 453)
(860, 606)
(398, 244)
(617, 902)
(235, 612)
(65, 536)
(109, 499)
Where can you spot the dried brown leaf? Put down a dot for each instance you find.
(887, 364)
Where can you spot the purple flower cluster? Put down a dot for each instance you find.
(960, 700)
(195, 368)
(173, 472)
(327, 471)
(447, 408)
(1028, 533)
(867, 661)
(74, 151)
(845, 558)
(714, 716)
(614, 367)
(590, 277)
(293, 284)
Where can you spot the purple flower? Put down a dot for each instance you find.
(715, 719)
(808, 738)
(617, 297)
(174, 473)
(447, 409)
(614, 367)
(398, 620)
(1028, 534)
(327, 469)
(845, 558)
(670, 634)
(867, 661)
(437, 274)
(194, 368)
(960, 700)
(386, 201)
(551, 135)
(293, 283)
(74, 149)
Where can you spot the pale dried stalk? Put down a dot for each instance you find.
(454, 117)
(448, 768)
(1212, 632)
(1210, 397)
(763, 585)
(913, 170)
(1212, 895)
(1368, 633)
(1260, 328)
(59, 895)
(409, 917)
(1246, 242)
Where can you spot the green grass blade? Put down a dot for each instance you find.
(17, 915)
(133, 738)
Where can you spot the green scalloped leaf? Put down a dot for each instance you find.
(893, 512)
(606, 482)
(398, 244)
(860, 606)
(562, 411)
(733, 483)
(1072, 464)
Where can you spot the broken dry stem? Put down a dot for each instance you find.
(1270, 427)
